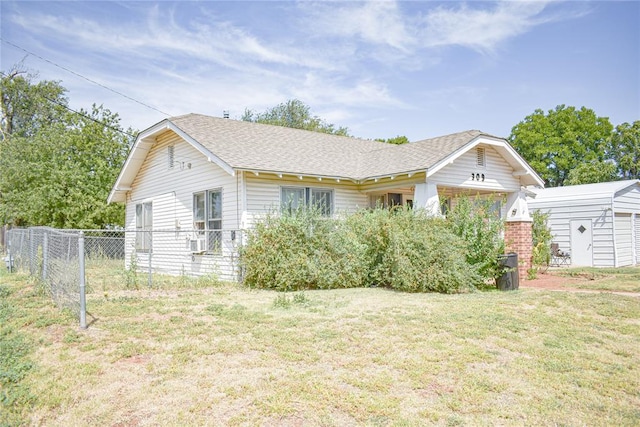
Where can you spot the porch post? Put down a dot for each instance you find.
(426, 197)
(518, 235)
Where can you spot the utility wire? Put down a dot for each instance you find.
(81, 114)
(89, 117)
(83, 77)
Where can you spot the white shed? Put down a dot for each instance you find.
(598, 224)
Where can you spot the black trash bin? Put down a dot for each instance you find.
(509, 279)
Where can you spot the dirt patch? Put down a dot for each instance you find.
(552, 281)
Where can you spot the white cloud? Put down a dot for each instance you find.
(161, 38)
(375, 22)
(344, 59)
(481, 29)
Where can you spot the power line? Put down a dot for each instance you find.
(81, 114)
(89, 117)
(85, 78)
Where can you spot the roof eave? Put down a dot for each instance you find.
(137, 155)
(524, 173)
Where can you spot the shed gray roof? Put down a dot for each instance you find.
(253, 146)
(569, 192)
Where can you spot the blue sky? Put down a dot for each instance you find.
(380, 68)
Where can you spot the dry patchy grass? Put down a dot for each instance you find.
(226, 355)
(625, 279)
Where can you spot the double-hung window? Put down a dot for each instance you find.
(207, 218)
(144, 225)
(295, 198)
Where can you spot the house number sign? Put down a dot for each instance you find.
(477, 177)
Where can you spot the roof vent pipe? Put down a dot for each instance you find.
(225, 114)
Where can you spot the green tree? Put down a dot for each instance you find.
(398, 140)
(592, 172)
(59, 174)
(560, 140)
(293, 114)
(25, 106)
(625, 149)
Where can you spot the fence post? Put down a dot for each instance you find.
(150, 280)
(83, 303)
(45, 249)
(32, 256)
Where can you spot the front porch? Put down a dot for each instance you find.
(440, 199)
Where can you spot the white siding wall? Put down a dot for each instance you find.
(498, 175)
(627, 201)
(562, 211)
(637, 237)
(171, 193)
(263, 194)
(624, 241)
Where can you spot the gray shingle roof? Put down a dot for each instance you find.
(252, 146)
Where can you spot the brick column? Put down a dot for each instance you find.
(518, 238)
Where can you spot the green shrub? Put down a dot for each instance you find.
(399, 249)
(542, 238)
(480, 225)
(302, 250)
(423, 255)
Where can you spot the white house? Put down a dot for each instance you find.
(598, 224)
(202, 178)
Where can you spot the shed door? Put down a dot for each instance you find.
(581, 243)
(624, 240)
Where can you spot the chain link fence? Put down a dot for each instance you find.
(67, 261)
(53, 256)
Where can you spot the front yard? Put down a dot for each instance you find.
(226, 355)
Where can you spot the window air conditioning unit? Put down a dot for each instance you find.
(197, 246)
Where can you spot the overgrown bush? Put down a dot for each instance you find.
(542, 237)
(478, 222)
(412, 252)
(399, 249)
(302, 250)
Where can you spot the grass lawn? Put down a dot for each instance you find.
(625, 279)
(226, 355)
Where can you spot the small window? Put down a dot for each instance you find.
(496, 209)
(171, 156)
(445, 206)
(207, 217)
(395, 199)
(144, 225)
(294, 198)
(481, 157)
(377, 201)
(321, 200)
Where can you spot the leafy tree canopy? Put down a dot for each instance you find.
(556, 142)
(626, 149)
(57, 166)
(293, 114)
(26, 106)
(398, 140)
(590, 172)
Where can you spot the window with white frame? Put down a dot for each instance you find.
(207, 218)
(144, 225)
(294, 198)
